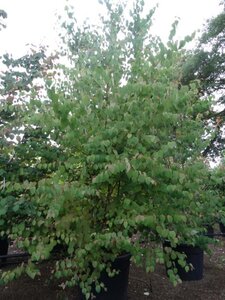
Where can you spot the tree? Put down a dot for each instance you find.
(25, 153)
(207, 64)
(130, 138)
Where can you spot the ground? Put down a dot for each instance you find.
(155, 286)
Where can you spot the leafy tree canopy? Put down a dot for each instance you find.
(207, 64)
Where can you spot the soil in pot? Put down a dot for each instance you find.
(117, 285)
(194, 256)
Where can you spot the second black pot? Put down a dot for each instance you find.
(194, 256)
(117, 285)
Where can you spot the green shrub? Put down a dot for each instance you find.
(130, 138)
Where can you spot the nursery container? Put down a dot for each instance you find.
(117, 285)
(194, 256)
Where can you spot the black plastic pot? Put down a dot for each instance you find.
(4, 246)
(222, 227)
(194, 256)
(117, 285)
(210, 231)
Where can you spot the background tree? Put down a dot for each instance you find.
(207, 64)
(3, 15)
(25, 153)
